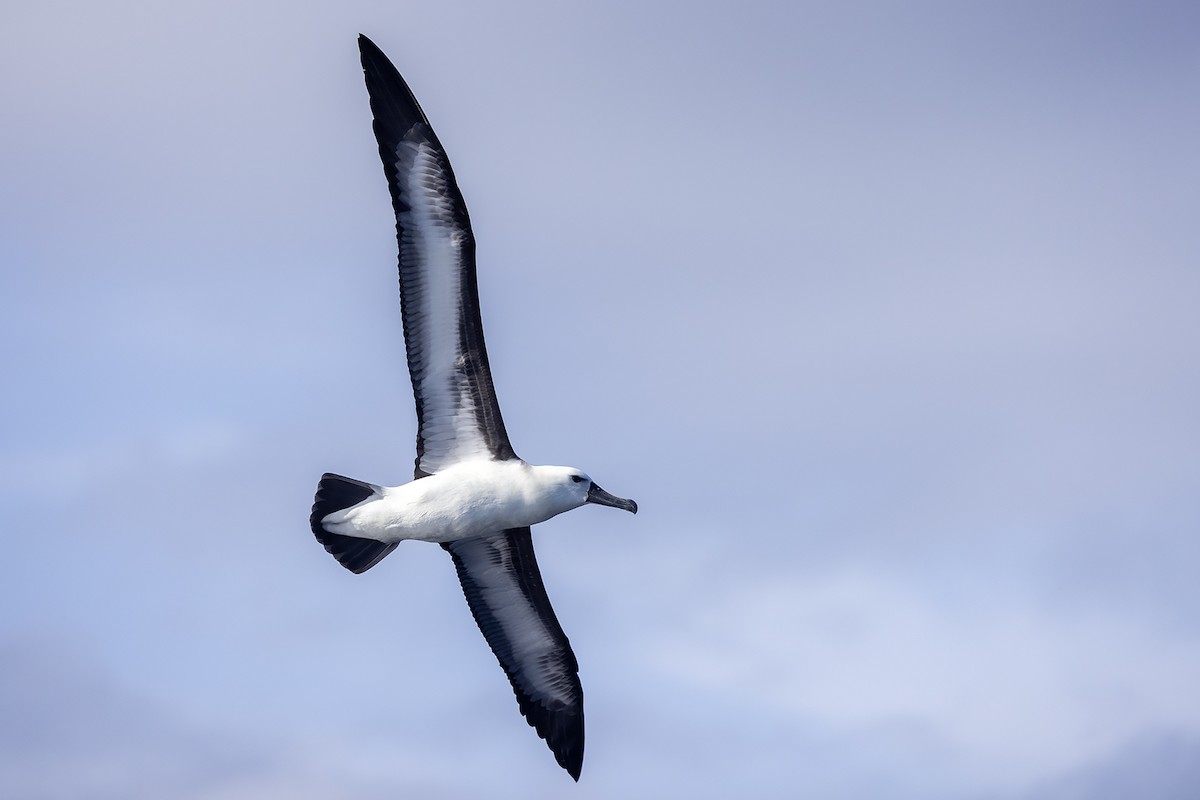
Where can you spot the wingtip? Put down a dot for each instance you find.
(367, 49)
(568, 752)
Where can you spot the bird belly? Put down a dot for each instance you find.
(455, 504)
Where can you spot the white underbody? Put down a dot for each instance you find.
(472, 498)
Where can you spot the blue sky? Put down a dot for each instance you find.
(885, 316)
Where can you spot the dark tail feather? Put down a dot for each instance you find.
(335, 493)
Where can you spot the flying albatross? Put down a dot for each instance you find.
(471, 493)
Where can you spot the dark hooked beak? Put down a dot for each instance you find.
(602, 498)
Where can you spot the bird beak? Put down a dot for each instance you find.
(602, 498)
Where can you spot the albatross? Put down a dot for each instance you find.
(470, 492)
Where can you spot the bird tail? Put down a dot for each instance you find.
(335, 493)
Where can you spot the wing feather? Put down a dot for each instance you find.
(458, 416)
(503, 587)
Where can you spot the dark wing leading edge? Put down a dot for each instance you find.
(500, 579)
(458, 417)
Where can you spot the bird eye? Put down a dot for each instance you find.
(577, 478)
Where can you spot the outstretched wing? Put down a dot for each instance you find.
(500, 579)
(457, 414)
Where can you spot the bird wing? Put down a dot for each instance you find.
(458, 417)
(500, 578)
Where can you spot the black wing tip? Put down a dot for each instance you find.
(570, 757)
(368, 48)
(561, 728)
(374, 59)
(393, 103)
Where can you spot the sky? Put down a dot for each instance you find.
(884, 313)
